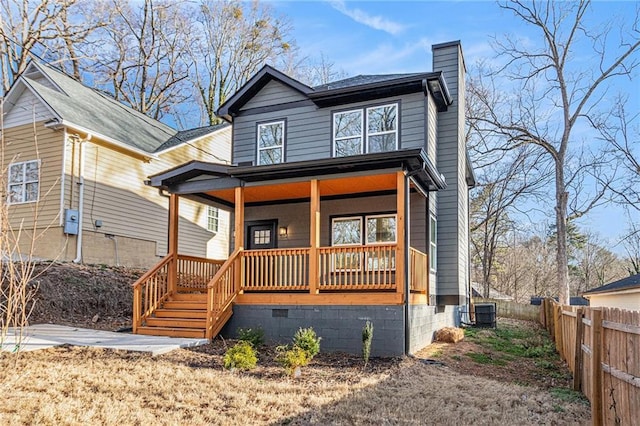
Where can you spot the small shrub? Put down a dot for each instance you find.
(307, 340)
(291, 357)
(367, 337)
(241, 356)
(255, 336)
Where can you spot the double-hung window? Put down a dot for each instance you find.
(213, 219)
(24, 182)
(347, 133)
(352, 137)
(271, 142)
(382, 128)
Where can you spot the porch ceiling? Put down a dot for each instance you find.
(301, 190)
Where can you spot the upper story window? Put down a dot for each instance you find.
(213, 219)
(24, 182)
(347, 133)
(271, 143)
(381, 135)
(382, 128)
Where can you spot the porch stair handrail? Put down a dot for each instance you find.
(221, 292)
(150, 290)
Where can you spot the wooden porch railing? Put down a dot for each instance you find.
(221, 291)
(418, 272)
(357, 267)
(150, 291)
(277, 269)
(195, 273)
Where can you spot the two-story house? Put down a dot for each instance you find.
(74, 161)
(349, 202)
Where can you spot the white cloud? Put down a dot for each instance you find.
(362, 17)
(389, 58)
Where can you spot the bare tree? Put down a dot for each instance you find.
(235, 40)
(507, 179)
(140, 55)
(552, 95)
(42, 27)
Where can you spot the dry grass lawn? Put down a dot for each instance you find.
(93, 386)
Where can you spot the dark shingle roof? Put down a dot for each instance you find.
(360, 80)
(623, 284)
(189, 135)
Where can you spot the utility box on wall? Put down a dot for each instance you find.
(71, 221)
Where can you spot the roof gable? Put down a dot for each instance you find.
(254, 85)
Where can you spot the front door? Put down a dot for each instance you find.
(262, 235)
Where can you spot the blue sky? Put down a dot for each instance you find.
(368, 37)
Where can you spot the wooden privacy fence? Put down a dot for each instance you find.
(602, 349)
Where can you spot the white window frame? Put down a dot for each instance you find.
(213, 219)
(271, 123)
(361, 135)
(433, 243)
(23, 183)
(376, 243)
(386, 132)
(345, 218)
(363, 239)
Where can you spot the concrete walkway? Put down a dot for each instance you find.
(43, 336)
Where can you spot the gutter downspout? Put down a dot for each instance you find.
(78, 258)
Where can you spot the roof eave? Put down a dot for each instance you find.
(109, 140)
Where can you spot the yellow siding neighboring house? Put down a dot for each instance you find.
(622, 294)
(76, 135)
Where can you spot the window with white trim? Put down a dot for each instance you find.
(348, 231)
(347, 133)
(433, 238)
(271, 143)
(213, 219)
(24, 182)
(382, 128)
(352, 137)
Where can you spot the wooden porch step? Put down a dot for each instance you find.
(181, 313)
(176, 322)
(172, 332)
(184, 305)
(191, 297)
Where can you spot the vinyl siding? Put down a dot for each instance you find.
(308, 128)
(115, 193)
(274, 93)
(27, 109)
(32, 142)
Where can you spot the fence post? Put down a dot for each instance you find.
(550, 318)
(578, 355)
(557, 330)
(596, 367)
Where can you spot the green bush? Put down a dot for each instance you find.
(307, 340)
(367, 337)
(255, 336)
(241, 356)
(291, 357)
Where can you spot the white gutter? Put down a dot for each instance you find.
(109, 140)
(78, 258)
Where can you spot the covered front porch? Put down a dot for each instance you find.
(307, 253)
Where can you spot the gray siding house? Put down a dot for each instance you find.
(349, 204)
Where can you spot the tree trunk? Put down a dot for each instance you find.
(561, 237)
